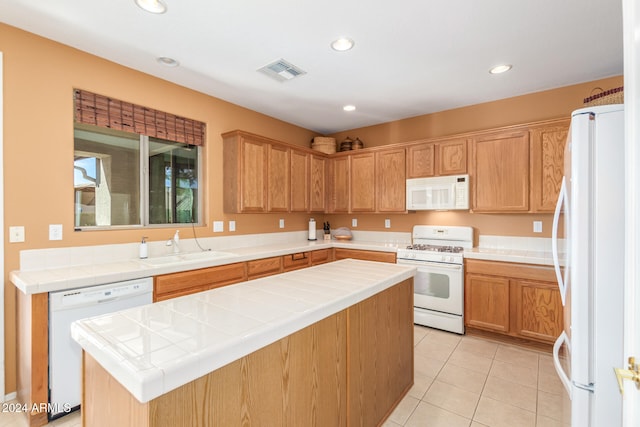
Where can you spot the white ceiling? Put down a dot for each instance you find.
(411, 57)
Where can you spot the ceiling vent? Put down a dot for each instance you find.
(282, 70)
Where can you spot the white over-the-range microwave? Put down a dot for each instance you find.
(438, 193)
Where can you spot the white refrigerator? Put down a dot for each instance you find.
(590, 270)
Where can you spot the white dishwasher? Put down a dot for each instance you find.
(65, 355)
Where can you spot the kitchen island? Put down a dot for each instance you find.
(327, 345)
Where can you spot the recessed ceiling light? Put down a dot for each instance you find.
(342, 44)
(167, 62)
(153, 6)
(500, 69)
(349, 108)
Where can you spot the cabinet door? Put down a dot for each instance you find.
(421, 160)
(547, 165)
(500, 172)
(390, 181)
(537, 308)
(264, 267)
(320, 256)
(486, 302)
(452, 157)
(339, 185)
(296, 261)
(278, 181)
(299, 181)
(253, 176)
(363, 181)
(318, 183)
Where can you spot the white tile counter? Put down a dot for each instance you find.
(97, 271)
(49, 270)
(510, 255)
(156, 348)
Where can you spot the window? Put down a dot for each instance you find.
(134, 166)
(123, 179)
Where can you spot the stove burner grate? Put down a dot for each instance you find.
(435, 248)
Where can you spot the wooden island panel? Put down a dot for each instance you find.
(343, 370)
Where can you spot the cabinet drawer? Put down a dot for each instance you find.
(186, 282)
(296, 261)
(264, 267)
(321, 256)
(365, 255)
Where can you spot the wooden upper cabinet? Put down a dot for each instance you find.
(264, 175)
(278, 181)
(391, 180)
(500, 172)
(547, 164)
(421, 161)
(245, 173)
(452, 157)
(363, 181)
(339, 176)
(299, 177)
(318, 183)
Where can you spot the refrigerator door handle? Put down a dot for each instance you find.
(566, 382)
(554, 241)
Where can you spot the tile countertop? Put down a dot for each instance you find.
(70, 277)
(156, 348)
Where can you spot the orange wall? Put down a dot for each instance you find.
(39, 76)
(550, 104)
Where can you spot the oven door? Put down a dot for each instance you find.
(437, 286)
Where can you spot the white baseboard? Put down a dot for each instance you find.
(10, 396)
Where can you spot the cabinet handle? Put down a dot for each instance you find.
(298, 256)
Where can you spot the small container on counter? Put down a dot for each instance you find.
(144, 250)
(312, 229)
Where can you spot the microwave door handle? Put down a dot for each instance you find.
(554, 240)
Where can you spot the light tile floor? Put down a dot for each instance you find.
(459, 381)
(473, 382)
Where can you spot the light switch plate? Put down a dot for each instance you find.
(281, 223)
(55, 231)
(232, 226)
(354, 222)
(537, 226)
(16, 234)
(218, 226)
(387, 223)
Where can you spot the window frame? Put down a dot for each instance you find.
(144, 202)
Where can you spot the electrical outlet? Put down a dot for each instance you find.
(281, 223)
(218, 226)
(55, 231)
(232, 226)
(537, 226)
(354, 222)
(387, 223)
(16, 234)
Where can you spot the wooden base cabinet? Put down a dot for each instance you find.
(340, 253)
(518, 300)
(349, 369)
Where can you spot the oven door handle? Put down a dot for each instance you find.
(439, 265)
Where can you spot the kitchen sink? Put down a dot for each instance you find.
(186, 257)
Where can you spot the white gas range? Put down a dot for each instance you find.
(437, 252)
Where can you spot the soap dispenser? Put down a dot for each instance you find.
(144, 252)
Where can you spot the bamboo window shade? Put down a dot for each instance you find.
(99, 110)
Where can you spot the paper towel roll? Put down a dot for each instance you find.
(312, 229)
